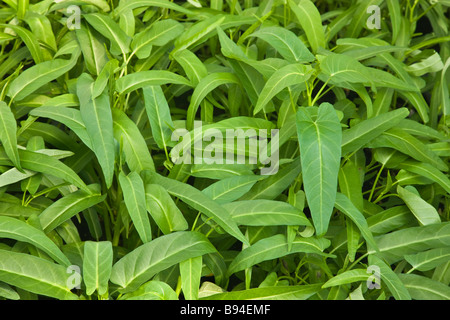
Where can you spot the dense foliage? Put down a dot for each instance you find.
(349, 98)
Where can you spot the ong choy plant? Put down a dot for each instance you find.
(231, 149)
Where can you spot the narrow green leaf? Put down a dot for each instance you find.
(134, 194)
(309, 18)
(423, 288)
(8, 134)
(349, 276)
(142, 79)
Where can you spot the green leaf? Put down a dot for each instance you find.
(299, 292)
(97, 265)
(341, 68)
(309, 18)
(163, 209)
(349, 276)
(390, 278)
(119, 40)
(423, 288)
(144, 262)
(199, 201)
(288, 45)
(344, 205)
(190, 273)
(8, 134)
(142, 79)
(137, 155)
(134, 195)
(35, 274)
(367, 130)
(158, 113)
(230, 189)
(205, 86)
(287, 76)
(39, 75)
(68, 206)
(97, 117)
(39, 162)
(265, 213)
(275, 247)
(133, 4)
(159, 34)
(404, 142)
(425, 213)
(395, 245)
(319, 134)
(21, 231)
(428, 260)
(152, 290)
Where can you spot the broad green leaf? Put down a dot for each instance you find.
(142, 79)
(423, 288)
(152, 290)
(275, 247)
(158, 113)
(199, 201)
(137, 155)
(265, 213)
(105, 25)
(8, 134)
(319, 134)
(428, 260)
(288, 45)
(163, 209)
(97, 265)
(190, 273)
(289, 75)
(134, 195)
(97, 117)
(39, 75)
(309, 18)
(340, 68)
(18, 230)
(144, 262)
(68, 206)
(299, 292)
(395, 245)
(35, 274)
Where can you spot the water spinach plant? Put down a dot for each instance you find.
(294, 149)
